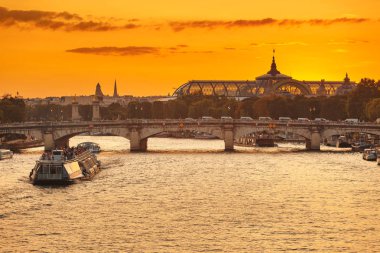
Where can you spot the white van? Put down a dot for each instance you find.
(226, 118)
(303, 119)
(246, 118)
(320, 119)
(284, 118)
(207, 118)
(265, 118)
(351, 121)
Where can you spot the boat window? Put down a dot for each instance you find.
(53, 170)
(59, 169)
(45, 169)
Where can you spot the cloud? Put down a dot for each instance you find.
(65, 21)
(347, 42)
(276, 44)
(57, 21)
(136, 50)
(213, 24)
(116, 51)
(340, 50)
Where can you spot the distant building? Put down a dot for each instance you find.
(104, 100)
(98, 92)
(273, 82)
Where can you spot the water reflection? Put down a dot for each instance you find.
(189, 196)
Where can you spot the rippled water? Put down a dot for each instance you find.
(189, 196)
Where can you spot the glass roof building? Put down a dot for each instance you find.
(273, 82)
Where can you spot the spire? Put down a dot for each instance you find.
(346, 79)
(273, 68)
(115, 90)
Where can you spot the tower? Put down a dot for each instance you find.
(115, 90)
(98, 92)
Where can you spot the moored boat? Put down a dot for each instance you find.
(360, 146)
(5, 154)
(370, 154)
(58, 168)
(90, 146)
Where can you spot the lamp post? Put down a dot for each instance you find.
(312, 112)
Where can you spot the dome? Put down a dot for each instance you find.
(273, 73)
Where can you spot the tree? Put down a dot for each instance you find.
(333, 108)
(366, 90)
(372, 109)
(158, 110)
(13, 109)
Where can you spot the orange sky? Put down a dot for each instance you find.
(55, 48)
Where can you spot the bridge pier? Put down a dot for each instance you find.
(228, 139)
(138, 144)
(48, 141)
(61, 143)
(314, 143)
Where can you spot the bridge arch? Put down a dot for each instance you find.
(243, 131)
(214, 131)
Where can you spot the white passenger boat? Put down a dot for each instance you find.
(5, 154)
(55, 168)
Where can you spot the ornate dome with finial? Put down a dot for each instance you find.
(273, 73)
(346, 87)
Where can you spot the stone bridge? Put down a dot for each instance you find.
(57, 134)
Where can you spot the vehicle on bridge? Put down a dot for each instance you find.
(245, 118)
(351, 121)
(53, 168)
(284, 119)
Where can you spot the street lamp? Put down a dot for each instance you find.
(312, 112)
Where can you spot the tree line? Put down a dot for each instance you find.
(362, 103)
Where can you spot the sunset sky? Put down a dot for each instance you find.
(56, 48)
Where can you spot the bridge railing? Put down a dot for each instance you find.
(255, 122)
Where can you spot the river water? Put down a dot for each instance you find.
(190, 196)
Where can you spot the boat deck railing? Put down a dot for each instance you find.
(82, 156)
